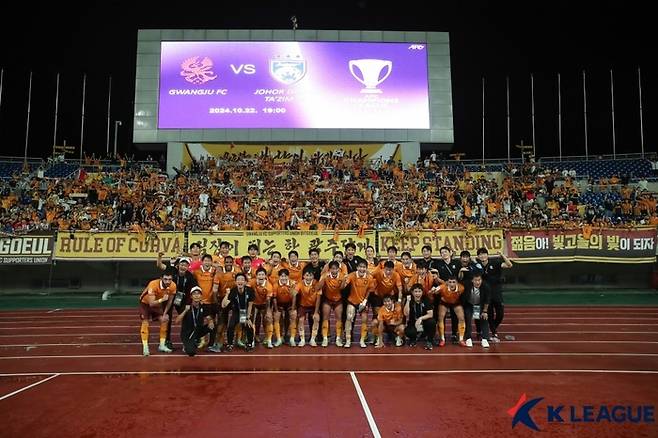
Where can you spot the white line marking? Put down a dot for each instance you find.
(506, 324)
(175, 372)
(326, 355)
(364, 405)
(545, 341)
(54, 310)
(28, 387)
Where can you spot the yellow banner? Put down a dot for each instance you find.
(234, 152)
(284, 241)
(457, 240)
(118, 246)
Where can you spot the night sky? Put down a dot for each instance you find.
(490, 39)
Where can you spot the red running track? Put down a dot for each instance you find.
(81, 370)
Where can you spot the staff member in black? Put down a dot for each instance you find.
(467, 268)
(195, 324)
(420, 317)
(447, 268)
(241, 300)
(493, 276)
(475, 301)
(184, 281)
(430, 262)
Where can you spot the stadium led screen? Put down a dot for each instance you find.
(293, 84)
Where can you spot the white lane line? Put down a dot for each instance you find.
(416, 372)
(352, 355)
(544, 341)
(54, 310)
(28, 387)
(364, 405)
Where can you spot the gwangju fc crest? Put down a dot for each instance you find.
(288, 69)
(197, 72)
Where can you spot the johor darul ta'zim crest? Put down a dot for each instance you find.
(288, 69)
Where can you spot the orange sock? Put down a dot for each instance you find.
(268, 331)
(325, 329)
(163, 333)
(238, 332)
(442, 330)
(364, 331)
(461, 328)
(144, 333)
(339, 328)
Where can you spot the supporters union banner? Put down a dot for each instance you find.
(118, 246)
(597, 245)
(27, 250)
(457, 240)
(284, 241)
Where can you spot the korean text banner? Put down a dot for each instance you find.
(284, 241)
(118, 246)
(602, 245)
(26, 250)
(289, 84)
(457, 240)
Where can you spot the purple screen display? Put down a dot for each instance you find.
(253, 84)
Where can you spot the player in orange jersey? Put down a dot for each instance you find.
(361, 285)
(330, 285)
(406, 269)
(284, 294)
(309, 304)
(262, 304)
(388, 283)
(389, 319)
(371, 259)
(204, 277)
(273, 266)
(392, 253)
(152, 302)
(294, 266)
(223, 282)
(450, 297)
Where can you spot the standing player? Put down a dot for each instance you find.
(371, 259)
(492, 275)
(449, 297)
(273, 266)
(361, 285)
(223, 281)
(447, 268)
(329, 284)
(205, 277)
(151, 307)
(294, 266)
(406, 269)
(241, 299)
(309, 304)
(263, 293)
(284, 297)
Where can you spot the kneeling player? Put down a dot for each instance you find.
(195, 323)
(420, 317)
(450, 296)
(389, 319)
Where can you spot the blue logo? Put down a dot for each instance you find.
(574, 414)
(289, 69)
(520, 412)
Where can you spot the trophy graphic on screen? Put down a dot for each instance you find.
(370, 70)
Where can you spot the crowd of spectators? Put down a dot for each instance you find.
(319, 192)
